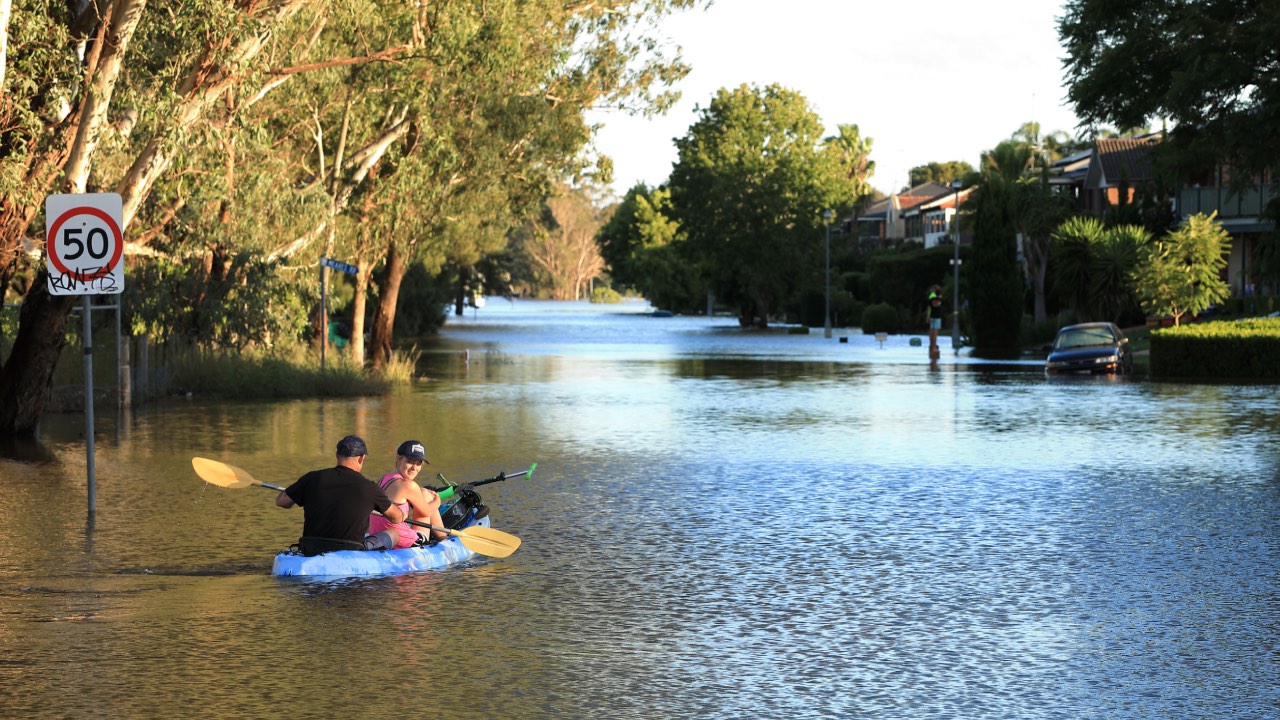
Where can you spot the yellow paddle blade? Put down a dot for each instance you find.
(487, 541)
(222, 474)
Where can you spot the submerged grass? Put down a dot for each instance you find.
(402, 367)
(258, 375)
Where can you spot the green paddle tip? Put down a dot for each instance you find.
(532, 467)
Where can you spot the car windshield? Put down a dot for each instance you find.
(1083, 337)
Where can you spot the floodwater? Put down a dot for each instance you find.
(722, 524)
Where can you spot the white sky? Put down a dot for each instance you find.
(927, 80)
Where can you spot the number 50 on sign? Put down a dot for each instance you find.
(84, 244)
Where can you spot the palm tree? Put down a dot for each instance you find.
(1074, 241)
(1113, 261)
(1092, 267)
(1008, 161)
(853, 153)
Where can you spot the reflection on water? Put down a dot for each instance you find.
(722, 524)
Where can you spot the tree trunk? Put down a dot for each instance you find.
(6, 9)
(1041, 314)
(358, 304)
(97, 100)
(1035, 252)
(384, 316)
(28, 374)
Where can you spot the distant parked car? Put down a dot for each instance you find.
(1098, 347)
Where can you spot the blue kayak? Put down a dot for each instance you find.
(349, 563)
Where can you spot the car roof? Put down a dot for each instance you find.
(1081, 326)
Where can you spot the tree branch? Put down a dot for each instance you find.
(388, 55)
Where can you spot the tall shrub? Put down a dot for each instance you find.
(994, 283)
(1180, 274)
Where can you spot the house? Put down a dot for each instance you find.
(1240, 210)
(1069, 173)
(1098, 177)
(921, 213)
(930, 222)
(1096, 180)
(1119, 170)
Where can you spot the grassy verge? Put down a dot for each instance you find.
(275, 376)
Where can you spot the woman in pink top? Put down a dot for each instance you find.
(421, 504)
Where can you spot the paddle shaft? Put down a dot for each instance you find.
(448, 491)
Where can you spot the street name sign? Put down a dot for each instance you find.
(340, 266)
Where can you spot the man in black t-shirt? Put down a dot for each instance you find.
(337, 501)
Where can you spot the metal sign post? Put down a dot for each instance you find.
(324, 310)
(83, 249)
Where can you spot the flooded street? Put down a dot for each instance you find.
(722, 525)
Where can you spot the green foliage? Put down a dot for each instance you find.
(235, 302)
(881, 317)
(845, 310)
(749, 190)
(993, 278)
(621, 237)
(646, 250)
(1204, 68)
(674, 281)
(1221, 350)
(941, 173)
(400, 368)
(902, 276)
(852, 154)
(268, 375)
(1247, 305)
(1181, 273)
(1040, 334)
(1092, 267)
(423, 302)
(605, 295)
(41, 82)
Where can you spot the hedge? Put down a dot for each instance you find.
(881, 317)
(1227, 349)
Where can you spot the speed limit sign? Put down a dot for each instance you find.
(83, 244)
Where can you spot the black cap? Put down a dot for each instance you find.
(412, 450)
(352, 446)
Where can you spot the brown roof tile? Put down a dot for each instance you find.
(1126, 157)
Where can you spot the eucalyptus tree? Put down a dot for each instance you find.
(462, 137)
(235, 73)
(749, 189)
(169, 63)
(563, 247)
(646, 249)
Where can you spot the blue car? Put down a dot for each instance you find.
(1097, 347)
